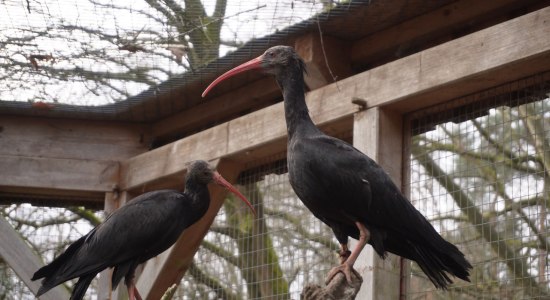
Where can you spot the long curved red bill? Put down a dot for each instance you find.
(221, 181)
(255, 63)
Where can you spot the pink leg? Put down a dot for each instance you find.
(133, 293)
(344, 253)
(138, 296)
(347, 266)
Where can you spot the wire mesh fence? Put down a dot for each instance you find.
(98, 52)
(268, 257)
(12, 287)
(479, 172)
(48, 231)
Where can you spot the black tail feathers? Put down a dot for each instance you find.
(52, 273)
(438, 263)
(81, 286)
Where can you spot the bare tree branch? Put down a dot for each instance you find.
(211, 282)
(515, 264)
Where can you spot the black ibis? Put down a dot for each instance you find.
(346, 189)
(134, 233)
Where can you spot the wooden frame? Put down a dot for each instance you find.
(405, 85)
(15, 252)
(399, 87)
(486, 58)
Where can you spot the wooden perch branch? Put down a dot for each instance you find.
(337, 289)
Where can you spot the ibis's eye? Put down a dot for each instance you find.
(271, 54)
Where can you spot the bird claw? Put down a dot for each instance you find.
(344, 268)
(343, 254)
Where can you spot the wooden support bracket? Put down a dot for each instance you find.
(326, 59)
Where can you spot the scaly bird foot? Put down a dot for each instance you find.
(344, 268)
(343, 255)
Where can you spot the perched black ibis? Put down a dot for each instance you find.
(346, 189)
(134, 233)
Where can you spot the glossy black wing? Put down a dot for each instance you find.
(326, 174)
(356, 185)
(145, 226)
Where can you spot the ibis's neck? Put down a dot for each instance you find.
(200, 197)
(297, 116)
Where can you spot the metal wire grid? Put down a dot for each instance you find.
(483, 181)
(48, 230)
(270, 257)
(12, 287)
(98, 52)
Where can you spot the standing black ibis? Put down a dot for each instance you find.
(346, 189)
(134, 233)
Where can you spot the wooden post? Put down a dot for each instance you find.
(19, 256)
(113, 200)
(160, 272)
(378, 133)
(326, 59)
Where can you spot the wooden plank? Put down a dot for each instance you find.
(74, 139)
(169, 267)
(58, 173)
(47, 196)
(239, 135)
(394, 41)
(113, 201)
(261, 128)
(378, 133)
(24, 262)
(104, 288)
(405, 264)
(172, 159)
(228, 104)
(472, 63)
(496, 55)
(70, 158)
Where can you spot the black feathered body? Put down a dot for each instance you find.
(131, 235)
(340, 186)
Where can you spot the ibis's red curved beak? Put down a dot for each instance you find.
(221, 181)
(255, 63)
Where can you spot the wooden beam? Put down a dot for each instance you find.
(113, 201)
(172, 159)
(58, 174)
(231, 138)
(487, 58)
(71, 139)
(168, 268)
(65, 157)
(230, 103)
(481, 60)
(394, 42)
(24, 262)
(379, 134)
(50, 197)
